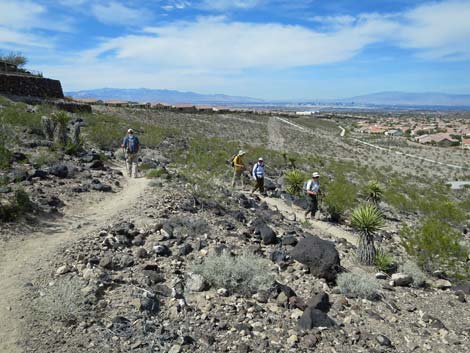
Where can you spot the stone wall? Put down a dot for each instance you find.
(30, 86)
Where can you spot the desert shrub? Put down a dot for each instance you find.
(61, 301)
(5, 157)
(244, 274)
(156, 173)
(16, 115)
(383, 260)
(413, 270)
(190, 226)
(340, 197)
(435, 245)
(294, 180)
(107, 132)
(17, 206)
(358, 285)
(45, 157)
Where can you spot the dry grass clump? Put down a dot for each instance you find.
(61, 301)
(413, 270)
(358, 285)
(244, 274)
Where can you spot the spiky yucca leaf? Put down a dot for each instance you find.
(374, 191)
(367, 219)
(294, 180)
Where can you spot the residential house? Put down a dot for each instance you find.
(442, 139)
(466, 144)
(394, 133)
(116, 103)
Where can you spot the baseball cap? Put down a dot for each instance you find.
(315, 175)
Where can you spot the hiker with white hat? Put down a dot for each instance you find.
(131, 147)
(312, 190)
(238, 168)
(258, 176)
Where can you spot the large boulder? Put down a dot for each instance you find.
(315, 318)
(319, 255)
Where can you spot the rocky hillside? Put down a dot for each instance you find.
(177, 261)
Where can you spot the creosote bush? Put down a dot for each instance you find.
(18, 206)
(340, 197)
(244, 274)
(374, 191)
(436, 246)
(358, 285)
(413, 270)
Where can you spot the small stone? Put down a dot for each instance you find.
(223, 292)
(62, 270)
(282, 298)
(383, 340)
(292, 340)
(196, 283)
(141, 253)
(381, 275)
(175, 349)
(261, 297)
(461, 296)
(401, 279)
(442, 284)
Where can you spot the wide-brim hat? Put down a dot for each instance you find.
(241, 153)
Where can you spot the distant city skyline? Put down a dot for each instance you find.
(269, 49)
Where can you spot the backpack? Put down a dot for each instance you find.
(232, 160)
(305, 187)
(132, 144)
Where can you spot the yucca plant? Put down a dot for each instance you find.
(374, 191)
(367, 219)
(294, 180)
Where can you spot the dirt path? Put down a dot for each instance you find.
(324, 227)
(275, 138)
(21, 260)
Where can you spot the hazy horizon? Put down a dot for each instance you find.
(268, 49)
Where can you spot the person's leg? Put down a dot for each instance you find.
(135, 160)
(256, 187)
(261, 185)
(314, 207)
(129, 164)
(234, 178)
(242, 181)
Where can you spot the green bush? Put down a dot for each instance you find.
(45, 157)
(5, 157)
(383, 260)
(18, 206)
(156, 173)
(436, 246)
(358, 285)
(294, 180)
(411, 269)
(340, 197)
(244, 274)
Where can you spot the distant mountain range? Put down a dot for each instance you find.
(160, 95)
(171, 96)
(412, 99)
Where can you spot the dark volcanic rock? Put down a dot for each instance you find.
(268, 235)
(59, 170)
(319, 255)
(320, 301)
(290, 240)
(315, 318)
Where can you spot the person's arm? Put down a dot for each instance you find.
(239, 164)
(253, 172)
(124, 143)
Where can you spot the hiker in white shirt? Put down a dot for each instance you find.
(313, 190)
(258, 176)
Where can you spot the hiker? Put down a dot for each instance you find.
(238, 168)
(258, 176)
(131, 147)
(313, 190)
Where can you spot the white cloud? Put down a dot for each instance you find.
(438, 30)
(214, 42)
(222, 5)
(117, 13)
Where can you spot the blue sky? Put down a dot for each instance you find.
(274, 49)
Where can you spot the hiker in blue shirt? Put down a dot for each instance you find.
(312, 191)
(131, 147)
(258, 176)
